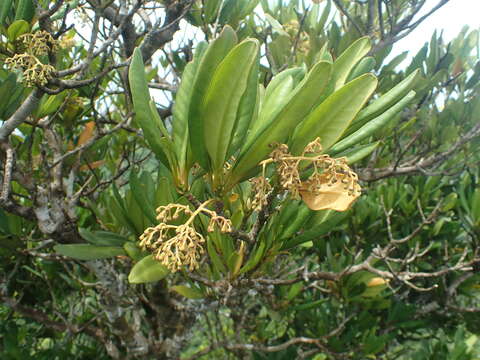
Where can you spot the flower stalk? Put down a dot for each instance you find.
(332, 184)
(176, 246)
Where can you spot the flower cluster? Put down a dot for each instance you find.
(176, 246)
(261, 188)
(34, 71)
(32, 46)
(330, 185)
(39, 43)
(302, 39)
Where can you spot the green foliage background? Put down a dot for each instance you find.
(120, 129)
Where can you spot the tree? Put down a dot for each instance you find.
(236, 179)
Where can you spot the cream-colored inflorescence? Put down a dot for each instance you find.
(331, 185)
(33, 45)
(176, 246)
(34, 72)
(39, 43)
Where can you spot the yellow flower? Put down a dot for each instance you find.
(39, 43)
(176, 246)
(34, 71)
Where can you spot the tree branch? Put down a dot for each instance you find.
(28, 106)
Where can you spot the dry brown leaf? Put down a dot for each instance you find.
(376, 281)
(92, 165)
(332, 197)
(87, 133)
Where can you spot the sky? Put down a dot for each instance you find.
(451, 18)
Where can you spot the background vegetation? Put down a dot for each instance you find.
(276, 263)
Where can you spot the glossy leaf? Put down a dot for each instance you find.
(25, 10)
(303, 98)
(17, 28)
(89, 252)
(330, 119)
(373, 126)
(188, 292)
(141, 100)
(141, 187)
(6, 88)
(385, 101)
(247, 110)
(214, 55)
(360, 152)
(102, 238)
(147, 270)
(133, 251)
(183, 97)
(276, 97)
(5, 7)
(211, 9)
(50, 104)
(332, 220)
(348, 59)
(364, 66)
(223, 98)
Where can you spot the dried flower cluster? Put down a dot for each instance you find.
(261, 188)
(331, 185)
(176, 246)
(32, 46)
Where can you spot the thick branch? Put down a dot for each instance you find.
(158, 37)
(28, 106)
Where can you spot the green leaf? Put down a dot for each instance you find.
(159, 122)
(347, 61)
(233, 11)
(5, 6)
(365, 65)
(141, 188)
(6, 89)
(123, 215)
(102, 238)
(330, 119)
(181, 107)
(373, 126)
(49, 104)
(397, 60)
(17, 28)
(164, 193)
(89, 252)
(215, 258)
(223, 98)
(276, 26)
(247, 110)
(279, 49)
(359, 153)
(255, 257)
(276, 97)
(141, 100)
(331, 220)
(475, 207)
(303, 98)
(385, 101)
(214, 55)
(211, 10)
(302, 214)
(188, 292)
(25, 10)
(147, 270)
(132, 250)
